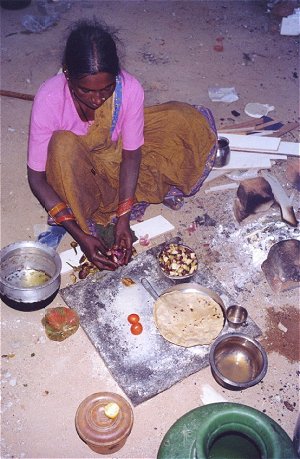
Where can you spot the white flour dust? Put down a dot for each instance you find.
(245, 248)
(129, 300)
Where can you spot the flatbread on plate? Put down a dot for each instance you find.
(188, 318)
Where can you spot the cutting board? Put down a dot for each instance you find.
(146, 364)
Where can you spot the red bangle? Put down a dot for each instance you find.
(125, 206)
(64, 218)
(56, 209)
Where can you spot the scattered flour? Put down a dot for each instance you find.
(249, 245)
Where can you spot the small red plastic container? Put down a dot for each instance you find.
(101, 433)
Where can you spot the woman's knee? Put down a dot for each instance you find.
(65, 145)
(66, 151)
(60, 138)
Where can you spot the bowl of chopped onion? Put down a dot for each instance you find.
(178, 261)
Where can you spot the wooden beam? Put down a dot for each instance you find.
(286, 128)
(16, 95)
(245, 124)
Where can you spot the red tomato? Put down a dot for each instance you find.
(136, 329)
(133, 318)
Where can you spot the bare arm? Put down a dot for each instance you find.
(92, 247)
(129, 173)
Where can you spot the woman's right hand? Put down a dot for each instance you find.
(93, 248)
(95, 251)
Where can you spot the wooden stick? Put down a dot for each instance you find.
(286, 128)
(16, 95)
(241, 130)
(269, 123)
(253, 128)
(245, 124)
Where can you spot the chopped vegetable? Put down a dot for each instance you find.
(127, 281)
(178, 260)
(117, 255)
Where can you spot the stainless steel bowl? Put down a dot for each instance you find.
(163, 267)
(30, 272)
(237, 361)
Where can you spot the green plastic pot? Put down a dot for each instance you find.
(226, 431)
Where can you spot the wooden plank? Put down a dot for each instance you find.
(289, 149)
(286, 128)
(247, 160)
(250, 160)
(255, 127)
(264, 125)
(250, 132)
(249, 123)
(266, 133)
(214, 174)
(252, 143)
(225, 186)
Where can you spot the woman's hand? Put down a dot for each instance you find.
(123, 238)
(93, 248)
(96, 252)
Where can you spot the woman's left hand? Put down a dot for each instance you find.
(124, 238)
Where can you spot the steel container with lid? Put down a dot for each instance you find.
(101, 433)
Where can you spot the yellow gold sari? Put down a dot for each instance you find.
(177, 155)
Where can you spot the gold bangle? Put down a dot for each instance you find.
(125, 206)
(56, 209)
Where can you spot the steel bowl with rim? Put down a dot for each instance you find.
(237, 361)
(30, 272)
(178, 261)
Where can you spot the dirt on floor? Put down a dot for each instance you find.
(173, 48)
(282, 334)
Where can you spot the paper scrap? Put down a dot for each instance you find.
(290, 25)
(222, 94)
(225, 186)
(210, 395)
(257, 110)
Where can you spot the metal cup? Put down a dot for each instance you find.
(223, 152)
(236, 316)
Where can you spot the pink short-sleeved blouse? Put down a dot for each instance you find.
(53, 109)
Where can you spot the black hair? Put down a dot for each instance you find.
(91, 48)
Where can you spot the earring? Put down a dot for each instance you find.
(103, 98)
(66, 74)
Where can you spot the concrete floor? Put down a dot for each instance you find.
(169, 47)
